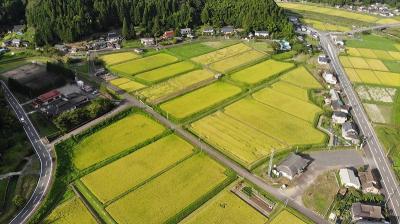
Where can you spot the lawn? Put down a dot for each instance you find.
(175, 86)
(166, 72)
(326, 26)
(111, 59)
(199, 100)
(191, 50)
(143, 64)
(71, 211)
(321, 194)
(291, 105)
(261, 71)
(118, 177)
(225, 208)
(286, 217)
(221, 54)
(291, 90)
(239, 141)
(236, 61)
(170, 193)
(302, 78)
(373, 41)
(275, 123)
(131, 86)
(115, 138)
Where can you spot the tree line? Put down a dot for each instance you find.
(70, 20)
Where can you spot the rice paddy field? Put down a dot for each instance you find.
(143, 64)
(285, 217)
(236, 61)
(71, 211)
(363, 63)
(199, 100)
(291, 90)
(174, 86)
(166, 72)
(137, 167)
(131, 86)
(221, 54)
(302, 78)
(156, 201)
(234, 211)
(326, 26)
(261, 71)
(111, 59)
(115, 138)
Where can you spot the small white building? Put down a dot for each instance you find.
(329, 78)
(263, 34)
(147, 41)
(349, 179)
(339, 117)
(186, 31)
(208, 31)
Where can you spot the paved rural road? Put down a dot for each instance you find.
(46, 163)
(372, 148)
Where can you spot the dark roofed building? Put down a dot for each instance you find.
(361, 211)
(292, 166)
(227, 30)
(46, 98)
(369, 182)
(168, 34)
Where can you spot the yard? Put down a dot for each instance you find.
(111, 59)
(166, 72)
(221, 54)
(156, 201)
(239, 60)
(118, 177)
(199, 100)
(71, 211)
(261, 71)
(115, 138)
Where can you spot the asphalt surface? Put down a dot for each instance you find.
(46, 163)
(372, 146)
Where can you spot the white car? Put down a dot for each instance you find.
(22, 119)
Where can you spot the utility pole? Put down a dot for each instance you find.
(271, 158)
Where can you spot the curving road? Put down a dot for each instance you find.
(372, 147)
(46, 163)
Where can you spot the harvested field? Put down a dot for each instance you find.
(302, 78)
(285, 217)
(261, 71)
(236, 139)
(291, 90)
(115, 138)
(380, 94)
(156, 201)
(71, 211)
(136, 168)
(363, 93)
(379, 113)
(144, 64)
(236, 61)
(221, 54)
(111, 59)
(166, 72)
(233, 211)
(175, 85)
(199, 99)
(131, 86)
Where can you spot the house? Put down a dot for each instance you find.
(16, 42)
(292, 166)
(329, 78)
(186, 31)
(113, 37)
(18, 29)
(349, 132)
(338, 106)
(285, 45)
(348, 178)
(208, 31)
(360, 211)
(294, 20)
(263, 34)
(147, 41)
(369, 183)
(61, 47)
(7, 43)
(338, 41)
(46, 98)
(227, 30)
(323, 59)
(339, 117)
(168, 34)
(334, 95)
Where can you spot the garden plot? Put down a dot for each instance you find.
(71, 211)
(261, 71)
(157, 201)
(225, 208)
(380, 94)
(111, 59)
(239, 141)
(221, 54)
(176, 86)
(291, 90)
(199, 100)
(286, 217)
(302, 78)
(379, 113)
(165, 72)
(363, 93)
(144, 64)
(118, 177)
(115, 138)
(236, 61)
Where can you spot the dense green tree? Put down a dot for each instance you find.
(125, 30)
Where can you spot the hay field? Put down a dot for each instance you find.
(175, 85)
(143, 64)
(221, 54)
(236, 61)
(239, 141)
(166, 72)
(71, 211)
(118, 177)
(235, 211)
(261, 71)
(199, 99)
(302, 78)
(157, 201)
(115, 138)
(285, 217)
(111, 59)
